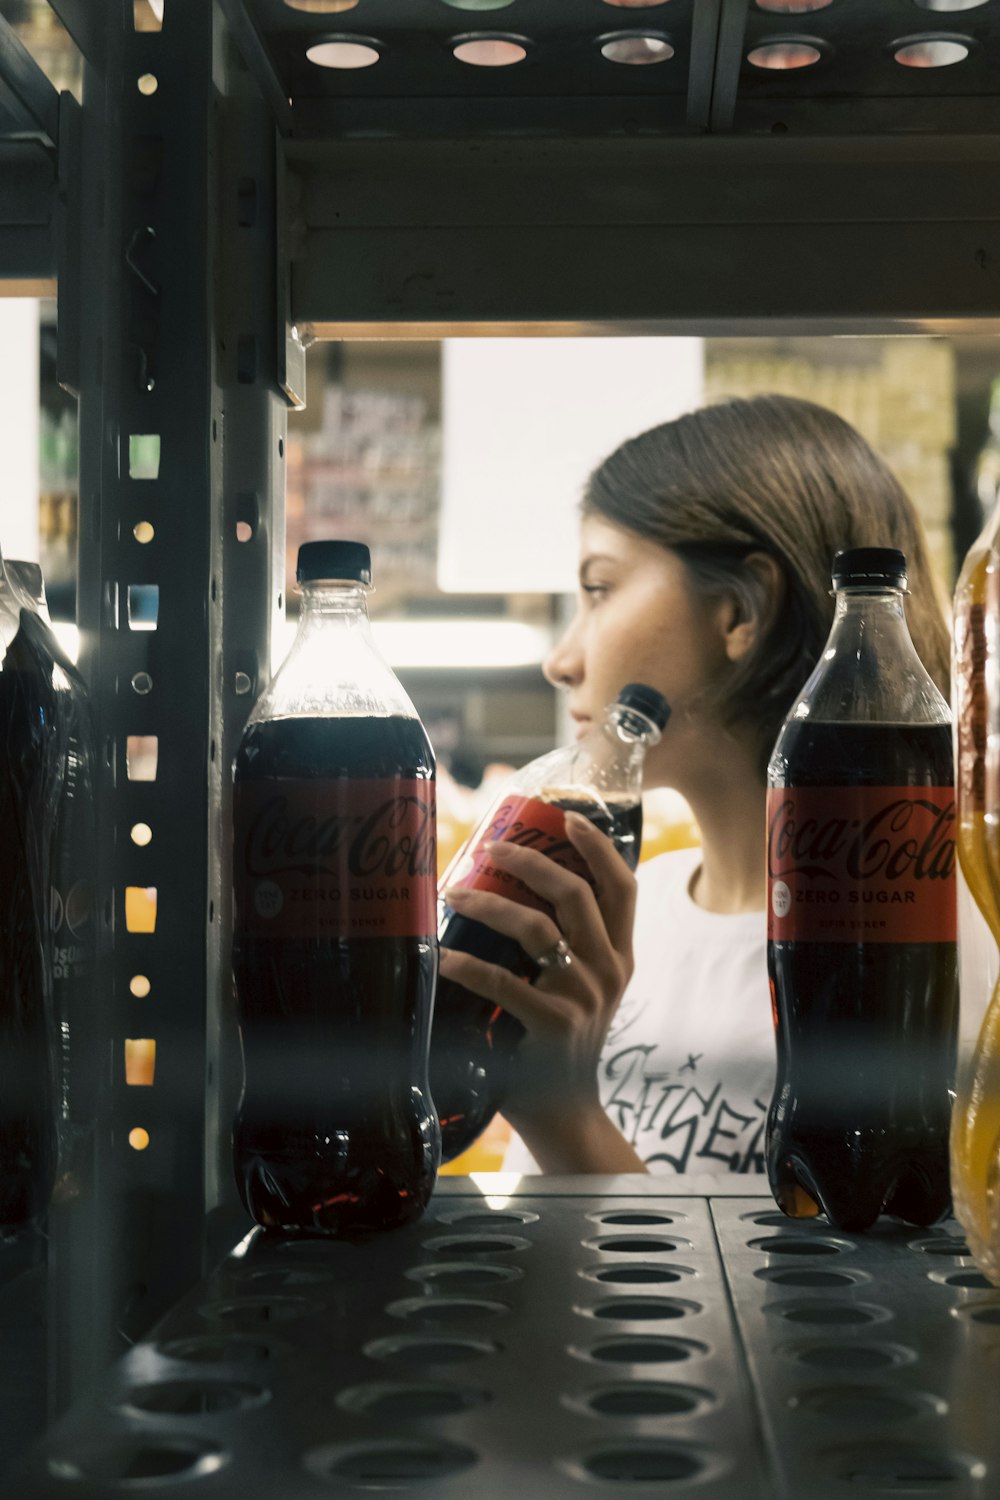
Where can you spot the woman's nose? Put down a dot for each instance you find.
(563, 666)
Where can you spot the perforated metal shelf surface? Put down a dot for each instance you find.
(558, 1341)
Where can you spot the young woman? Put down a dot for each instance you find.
(706, 547)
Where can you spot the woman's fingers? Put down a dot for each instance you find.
(532, 929)
(538, 1012)
(616, 887)
(581, 914)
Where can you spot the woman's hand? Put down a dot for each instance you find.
(553, 1100)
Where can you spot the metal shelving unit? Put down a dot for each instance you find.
(214, 200)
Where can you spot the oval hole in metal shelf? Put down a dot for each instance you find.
(642, 1309)
(834, 1314)
(411, 1402)
(478, 1218)
(786, 1244)
(259, 1309)
(884, 1470)
(215, 1350)
(867, 1405)
(407, 1349)
(628, 1274)
(641, 1349)
(985, 1311)
(458, 1275)
(446, 1310)
(806, 1277)
(476, 1244)
(139, 1461)
(635, 1217)
(194, 1398)
(392, 1464)
(968, 1280)
(648, 1462)
(638, 1398)
(854, 1359)
(635, 1244)
(941, 1245)
(772, 1220)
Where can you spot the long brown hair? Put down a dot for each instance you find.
(782, 476)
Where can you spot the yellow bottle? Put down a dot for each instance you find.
(975, 1131)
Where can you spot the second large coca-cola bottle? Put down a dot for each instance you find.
(862, 919)
(335, 951)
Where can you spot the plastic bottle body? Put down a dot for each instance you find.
(474, 1040)
(861, 930)
(975, 1132)
(335, 952)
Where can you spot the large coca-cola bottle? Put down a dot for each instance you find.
(862, 919)
(31, 775)
(334, 949)
(474, 1040)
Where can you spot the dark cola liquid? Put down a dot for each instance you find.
(335, 1130)
(31, 753)
(860, 1116)
(473, 1040)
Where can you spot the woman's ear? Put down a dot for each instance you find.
(754, 603)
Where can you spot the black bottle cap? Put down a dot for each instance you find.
(336, 560)
(874, 567)
(647, 701)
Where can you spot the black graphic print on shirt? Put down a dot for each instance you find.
(685, 1114)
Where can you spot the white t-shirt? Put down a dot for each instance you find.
(688, 1067)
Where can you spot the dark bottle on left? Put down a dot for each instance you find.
(82, 1070)
(32, 733)
(334, 946)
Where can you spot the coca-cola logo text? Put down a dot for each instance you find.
(907, 838)
(394, 838)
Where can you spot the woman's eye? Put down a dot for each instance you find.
(594, 590)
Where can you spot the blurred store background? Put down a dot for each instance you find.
(462, 462)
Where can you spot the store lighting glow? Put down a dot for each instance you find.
(497, 1188)
(454, 644)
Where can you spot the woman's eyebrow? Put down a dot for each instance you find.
(594, 557)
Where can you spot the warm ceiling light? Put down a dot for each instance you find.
(490, 52)
(930, 52)
(792, 7)
(344, 54)
(949, 5)
(322, 7)
(636, 50)
(781, 56)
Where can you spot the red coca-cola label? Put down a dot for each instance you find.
(861, 864)
(340, 858)
(533, 824)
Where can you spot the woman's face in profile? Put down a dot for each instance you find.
(637, 620)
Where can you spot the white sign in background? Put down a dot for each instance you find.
(525, 421)
(19, 428)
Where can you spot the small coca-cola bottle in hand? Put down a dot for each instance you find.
(473, 1040)
(862, 919)
(334, 948)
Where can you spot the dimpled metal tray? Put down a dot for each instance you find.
(576, 1336)
(876, 1357)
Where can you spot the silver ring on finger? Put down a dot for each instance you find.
(556, 957)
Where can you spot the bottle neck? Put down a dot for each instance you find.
(328, 600)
